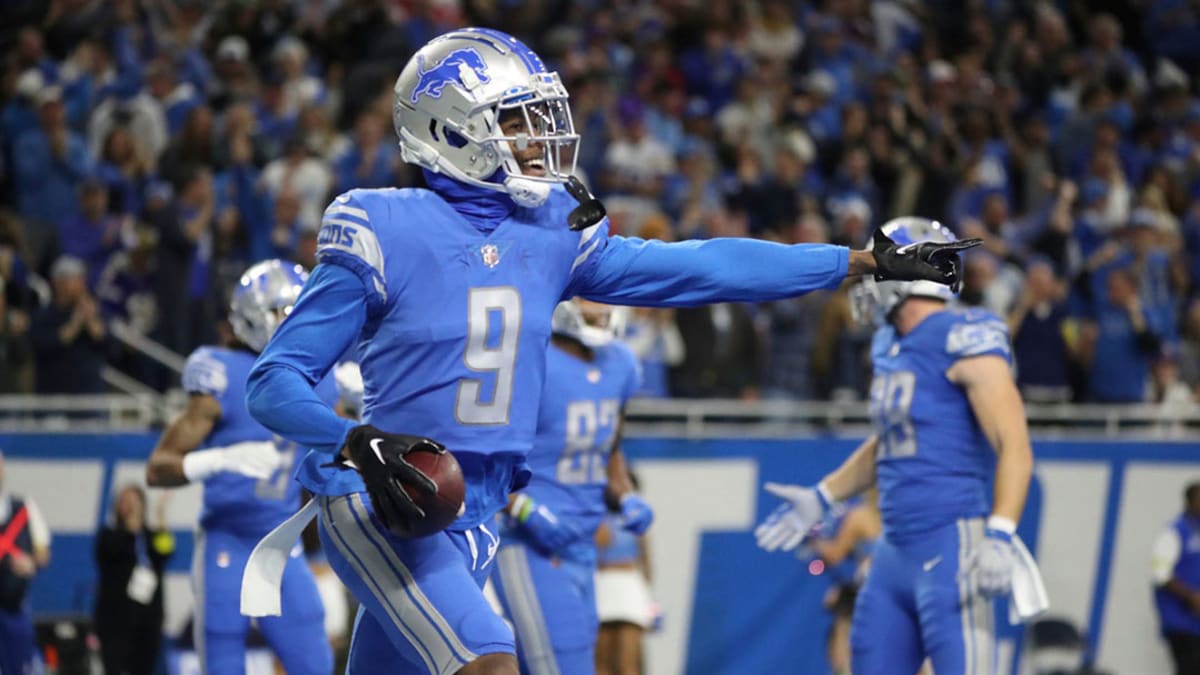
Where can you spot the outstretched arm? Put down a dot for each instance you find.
(682, 274)
(637, 272)
(327, 318)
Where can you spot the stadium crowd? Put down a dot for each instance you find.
(153, 149)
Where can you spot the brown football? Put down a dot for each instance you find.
(441, 508)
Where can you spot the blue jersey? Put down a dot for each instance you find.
(450, 319)
(577, 429)
(933, 462)
(232, 502)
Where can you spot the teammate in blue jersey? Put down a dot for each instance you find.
(546, 565)
(446, 294)
(947, 418)
(248, 488)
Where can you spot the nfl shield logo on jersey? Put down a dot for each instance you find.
(491, 254)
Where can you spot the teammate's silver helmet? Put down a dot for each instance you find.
(448, 102)
(874, 301)
(262, 300)
(593, 324)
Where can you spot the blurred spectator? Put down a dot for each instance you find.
(126, 291)
(1119, 334)
(176, 99)
(137, 111)
(722, 357)
(185, 244)
(1189, 348)
(1040, 349)
(300, 89)
(370, 162)
(235, 78)
(299, 173)
(15, 352)
(93, 234)
(24, 548)
(791, 327)
(131, 556)
(126, 168)
(50, 161)
(194, 145)
(636, 163)
(1175, 566)
(68, 335)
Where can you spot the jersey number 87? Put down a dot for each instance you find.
(583, 459)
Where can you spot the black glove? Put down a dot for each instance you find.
(379, 457)
(928, 260)
(590, 210)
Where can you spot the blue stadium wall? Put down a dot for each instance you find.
(1093, 513)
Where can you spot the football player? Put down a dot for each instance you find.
(448, 293)
(947, 416)
(546, 565)
(248, 488)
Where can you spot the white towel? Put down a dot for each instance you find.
(263, 576)
(1029, 599)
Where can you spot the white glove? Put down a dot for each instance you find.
(789, 524)
(990, 564)
(256, 459)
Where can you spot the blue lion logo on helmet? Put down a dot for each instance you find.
(462, 67)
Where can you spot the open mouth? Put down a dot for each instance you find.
(533, 167)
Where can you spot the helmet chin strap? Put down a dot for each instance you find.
(525, 192)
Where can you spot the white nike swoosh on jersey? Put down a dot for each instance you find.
(931, 563)
(375, 446)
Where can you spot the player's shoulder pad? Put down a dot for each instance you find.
(349, 235)
(623, 355)
(206, 372)
(973, 332)
(882, 340)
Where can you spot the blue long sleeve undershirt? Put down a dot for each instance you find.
(326, 320)
(638, 272)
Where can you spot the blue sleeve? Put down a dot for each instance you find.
(281, 393)
(981, 335)
(204, 373)
(347, 238)
(625, 271)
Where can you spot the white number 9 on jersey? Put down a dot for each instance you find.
(487, 306)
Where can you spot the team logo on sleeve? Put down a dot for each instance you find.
(464, 68)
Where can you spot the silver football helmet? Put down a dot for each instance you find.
(262, 300)
(447, 108)
(874, 301)
(591, 323)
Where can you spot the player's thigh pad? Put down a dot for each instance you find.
(885, 637)
(956, 624)
(552, 607)
(421, 591)
(297, 636)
